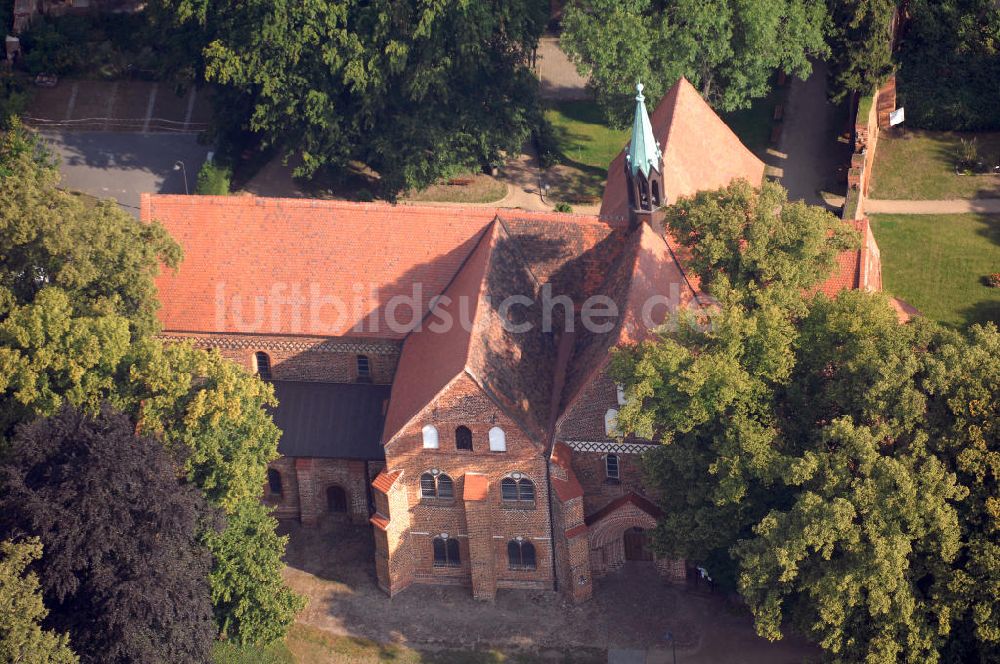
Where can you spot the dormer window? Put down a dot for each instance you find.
(262, 365)
(364, 368)
(430, 434)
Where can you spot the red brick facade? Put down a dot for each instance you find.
(483, 524)
(501, 466)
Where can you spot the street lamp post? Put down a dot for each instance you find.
(179, 166)
(669, 637)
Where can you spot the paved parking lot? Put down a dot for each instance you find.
(123, 165)
(130, 106)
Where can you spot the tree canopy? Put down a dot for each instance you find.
(835, 466)
(728, 49)
(98, 255)
(861, 41)
(22, 638)
(80, 334)
(123, 572)
(411, 89)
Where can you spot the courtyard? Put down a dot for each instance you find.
(632, 611)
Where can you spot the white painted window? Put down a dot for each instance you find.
(621, 394)
(498, 440)
(611, 423)
(430, 437)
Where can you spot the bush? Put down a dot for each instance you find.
(213, 179)
(106, 45)
(949, 74)
(14, 97)
(544, 138)
(564, 207)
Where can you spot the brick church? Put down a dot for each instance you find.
(482, 455)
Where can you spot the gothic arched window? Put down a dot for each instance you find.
(521, 554)
(446, 553)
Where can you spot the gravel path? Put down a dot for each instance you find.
(954, 206)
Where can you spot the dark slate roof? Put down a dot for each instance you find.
(332, 420)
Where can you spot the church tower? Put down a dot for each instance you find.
(644, 168)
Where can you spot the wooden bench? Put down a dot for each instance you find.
(460, 182)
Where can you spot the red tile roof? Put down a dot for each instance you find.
(477, 487)
(384, 481)
(431, 360)
(253, 248)
(379, 521)
(576, 530)
(630, 498)
(858, 268)
(569, 488)
(699, 152)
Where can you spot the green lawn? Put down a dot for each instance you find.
(938, 264)
(920, 165)
(584, 138)
(309, 645)
(587, 145)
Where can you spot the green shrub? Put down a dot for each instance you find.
(14, 96)
(213, 179)
(544, 137)
(564, 207)
(949, 73)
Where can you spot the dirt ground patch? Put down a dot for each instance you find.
(632, 608)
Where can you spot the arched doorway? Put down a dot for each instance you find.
(636, 546)
(336, 499)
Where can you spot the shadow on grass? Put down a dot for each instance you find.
(990, 229)
(985, 311)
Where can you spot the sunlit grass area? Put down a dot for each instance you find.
(939, 263)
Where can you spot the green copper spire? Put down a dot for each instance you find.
(643, 152)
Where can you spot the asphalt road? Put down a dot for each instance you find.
(123, 165)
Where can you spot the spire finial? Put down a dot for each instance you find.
(644, 151)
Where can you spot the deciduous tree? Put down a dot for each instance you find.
(861, 42)
(22, 638)
(123, 572)
(836, 467)
(411, 89)
(728, 49)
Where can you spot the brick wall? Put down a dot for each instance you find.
(285, 504)
(598, 489)
(464, 404)
(584, 420)
(866, 134)
(304, 489)
(324, 359)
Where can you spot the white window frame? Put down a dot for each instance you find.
(498, 440)
(611, 423)
(431, 439)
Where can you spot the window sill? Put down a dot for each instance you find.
(612, 480)
(437, 502)
(447, 566)
(522, 568)
(517, 504)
